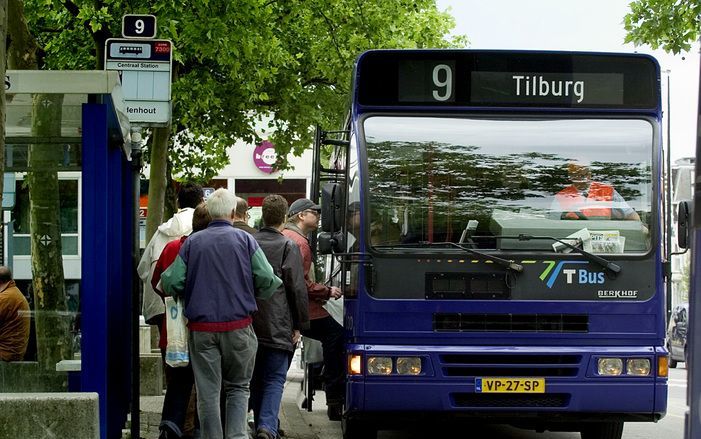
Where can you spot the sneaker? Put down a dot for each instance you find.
(250, 420)
(262, 433)
(334, 412)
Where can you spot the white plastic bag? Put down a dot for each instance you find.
(177, 353)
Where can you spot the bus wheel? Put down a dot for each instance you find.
(356, 429)
(603, 430)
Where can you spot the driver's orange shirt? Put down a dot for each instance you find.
(571, 201)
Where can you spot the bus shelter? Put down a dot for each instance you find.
(68, 234)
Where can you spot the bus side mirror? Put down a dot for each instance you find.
(684, 215)
(330, 243)
(331, 207)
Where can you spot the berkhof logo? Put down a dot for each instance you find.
(618, 294)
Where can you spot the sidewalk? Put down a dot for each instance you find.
(297, 423)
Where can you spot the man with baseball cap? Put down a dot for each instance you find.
(303, 218)
(301, 205)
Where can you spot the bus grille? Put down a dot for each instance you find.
(475, 365)
(506, 400)
(451, 322)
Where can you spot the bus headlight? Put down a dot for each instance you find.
(379, 365)
(638, 366)
(408, 365)
(610, 366)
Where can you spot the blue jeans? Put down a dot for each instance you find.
(267, 384)
(330, 333)
(223, 358)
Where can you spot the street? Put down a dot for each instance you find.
(670, 427)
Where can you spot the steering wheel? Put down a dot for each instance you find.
(573, 215)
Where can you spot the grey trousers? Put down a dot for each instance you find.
(223, 358)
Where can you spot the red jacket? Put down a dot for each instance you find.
(168, 255)
(318, 293)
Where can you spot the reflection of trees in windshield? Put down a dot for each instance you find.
(625, 177)
(442, 185)
(410, 169)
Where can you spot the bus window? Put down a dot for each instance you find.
(430, 176)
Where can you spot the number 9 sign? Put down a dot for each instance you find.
(139, 26)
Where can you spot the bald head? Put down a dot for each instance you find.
(5, 275)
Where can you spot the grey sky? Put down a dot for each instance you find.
(583, 25)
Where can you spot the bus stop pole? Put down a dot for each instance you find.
(693, 389)
(136, 158)
(668, 208)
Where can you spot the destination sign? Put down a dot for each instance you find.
(547, 88)
(506, 79)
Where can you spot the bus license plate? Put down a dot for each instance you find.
(509, 385)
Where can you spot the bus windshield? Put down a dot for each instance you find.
(483, 182)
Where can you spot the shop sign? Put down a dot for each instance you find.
(264, 157)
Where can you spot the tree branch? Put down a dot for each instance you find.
(332, 31)
(99, 37)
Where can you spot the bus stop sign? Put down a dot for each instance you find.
(144, 68)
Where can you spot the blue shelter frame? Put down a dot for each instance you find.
(107, 266)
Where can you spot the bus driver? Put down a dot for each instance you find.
(587, 199)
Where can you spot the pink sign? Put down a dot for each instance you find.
(264, 156)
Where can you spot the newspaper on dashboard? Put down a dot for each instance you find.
(607, 241)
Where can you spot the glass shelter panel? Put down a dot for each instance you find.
(485, 182)
(41, 236)
(68, 217)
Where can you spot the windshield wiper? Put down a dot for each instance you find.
(608, 265)
(508, 264)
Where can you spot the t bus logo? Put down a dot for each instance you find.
(577, 276)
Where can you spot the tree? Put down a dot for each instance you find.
(670, 24)
(235, 61)
(53, 341)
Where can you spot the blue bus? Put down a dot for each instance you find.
(494, 218)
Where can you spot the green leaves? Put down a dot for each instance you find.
(670, 24)
(289, 59)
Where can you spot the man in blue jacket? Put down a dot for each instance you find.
(219, 273)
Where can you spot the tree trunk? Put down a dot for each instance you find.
(22, 52)
(170, 204)
(52, 322)
(157, 180)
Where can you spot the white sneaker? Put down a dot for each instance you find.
(250, 420)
